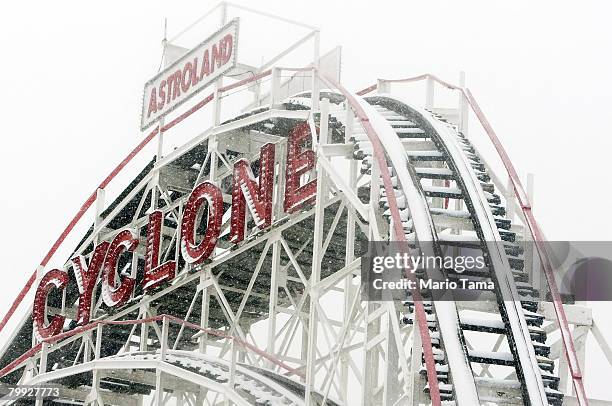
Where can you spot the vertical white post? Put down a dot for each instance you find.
(315, 274)
(315, 80)
(463, 106)
(205, 310)
(538, 279)
(223, 16)
(164, 339)
(277, 211)
(415, 365)
(372, 326)
(204, 316)
(99, 208)
(382, 86)
(159, 388)
(42, 368)
(392, 387)
(324, 124)
(580, 334)
(96, 372)
(350, 253)
(100, 194)
(216, 118)
(232, 373)
(530, 188)
(144, 328)
(274, 92)
(429, 95)
(273, 301)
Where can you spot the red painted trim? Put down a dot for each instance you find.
(534, 229)
(432, 377)
(90, 200)
(367, 90)
(189, 112)
(218, 333)
(245, 81)
(539, 238)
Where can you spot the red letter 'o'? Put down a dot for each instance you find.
(196, 253)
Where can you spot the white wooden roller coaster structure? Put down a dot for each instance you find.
(385, 169)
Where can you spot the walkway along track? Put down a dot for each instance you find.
(436, 152)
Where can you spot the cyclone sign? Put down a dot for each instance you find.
(248, 193)
(190, 74)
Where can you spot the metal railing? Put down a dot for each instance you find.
(164, 318)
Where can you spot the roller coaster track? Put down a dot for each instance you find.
(421, 182)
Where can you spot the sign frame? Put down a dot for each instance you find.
(232, 28)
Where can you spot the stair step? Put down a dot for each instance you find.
(410, 133)
(516, 263)
(498, 210)
(487, 187)
(402, 123)
(451, 213)
(426, 155)
(545, 363)
(497, 383)
(554, 397)
(493, 198)
(541, 349)
(482, 325)
(483, 176)
(503, 223)
(490, 357)
(435, 173)
(550, 380)
(443, 191)
(529, 305)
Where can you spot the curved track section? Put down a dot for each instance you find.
(190, 372)
(450, 169)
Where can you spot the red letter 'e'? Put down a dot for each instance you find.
(298, 163)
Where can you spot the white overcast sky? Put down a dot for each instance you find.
(72, 74)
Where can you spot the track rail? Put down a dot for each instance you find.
(159, 318)
(534, 228)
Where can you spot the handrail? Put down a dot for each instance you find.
(90, 326)
(534, 228)
(378, 152)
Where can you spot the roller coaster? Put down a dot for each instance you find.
(228, 270)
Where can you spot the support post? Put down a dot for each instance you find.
(315, 80)
(372, 326)
(315, 275)
(415, 366)
(429, 95)
(274, 91)
(350, 254)
(463, 106)
(383, 86)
